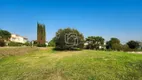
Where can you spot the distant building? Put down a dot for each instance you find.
(18, 38)
(46, 43)
(100, 47)
(140, 43)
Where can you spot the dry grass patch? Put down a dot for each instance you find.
(12, 51)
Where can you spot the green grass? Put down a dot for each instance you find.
(46, 64)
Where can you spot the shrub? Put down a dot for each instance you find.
(125, 47)
(52, 43)
(15, 44)
(41, 45)
(27, 44)
(34, 43)
(117, 47)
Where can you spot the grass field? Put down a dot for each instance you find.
(46, 64)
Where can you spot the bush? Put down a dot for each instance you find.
(41, 45)
(125, 48)
(15, 44)
(52, 43)
(117, 47)
(2, 43)
(69, 39)
(27, 44)
(34, 43)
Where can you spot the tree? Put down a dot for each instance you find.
(133, 44)
(114, 44)
(41, 35)
(94, 42)
(5, 35)
(52, 42)
(69, 39)
(125, 47)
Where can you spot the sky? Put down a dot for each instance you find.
(107, 18)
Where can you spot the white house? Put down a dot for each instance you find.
(100, 47)
(140, 43)
(18, 38)
(46, 43)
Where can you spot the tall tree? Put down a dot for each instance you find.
(41, 34)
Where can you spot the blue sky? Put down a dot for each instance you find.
(106, 18)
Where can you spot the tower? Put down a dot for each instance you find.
(41, 34)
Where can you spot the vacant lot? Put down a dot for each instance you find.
(46, 64)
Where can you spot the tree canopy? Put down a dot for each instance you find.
(133, 44)
(69, 39)
(114, 44)
(4, 34)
